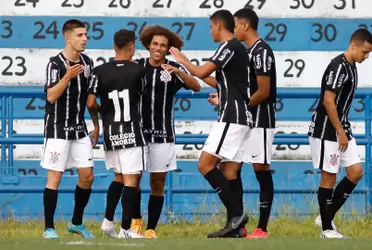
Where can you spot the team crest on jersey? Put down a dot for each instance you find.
(87, 71)
(165, 76)
(334, 159)
(54, 157)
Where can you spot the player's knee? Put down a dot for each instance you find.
(54, 178)
(87, 180)
(204, 167)
(328, 180)
(157, 184)
(355, 173)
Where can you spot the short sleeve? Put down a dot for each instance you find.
(52, 74)
(222, 56)
(262, 62)
(94, 84)
(178, 81)
(335, 77)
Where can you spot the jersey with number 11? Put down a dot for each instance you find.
(119, 85)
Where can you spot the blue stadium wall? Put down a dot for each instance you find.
(305, 36)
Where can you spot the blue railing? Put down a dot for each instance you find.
(8, 139)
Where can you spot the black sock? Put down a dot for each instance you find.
(154, 209)
(50, 202)
(265, 180)
(128, 202)
(113, 196)
(81, 200)
(239, 177)
(341, 193)
(237, 191)
(325, 207)
(220, 184)
(137, 210)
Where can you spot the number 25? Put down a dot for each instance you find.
(115, 96)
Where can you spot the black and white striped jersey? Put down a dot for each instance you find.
(340, 77)
(262, 63)
(119, 85)
(232, 79)
(157, 102)
(65, 118)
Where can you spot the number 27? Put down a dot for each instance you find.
(115, 96)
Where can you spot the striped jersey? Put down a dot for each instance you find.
(340, 77)
(262, 63)
(232, 79)
(65, 118)
(119, 85)
(157, 101)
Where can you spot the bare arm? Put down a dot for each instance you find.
(55, 92)
(211, 81)
(185, 78)
(263, 91)
(92, 104)
(199, 71)
(189, 81)
(330, 106)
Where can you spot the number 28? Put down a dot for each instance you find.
(115, 96)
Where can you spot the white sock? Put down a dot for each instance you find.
(106, 223)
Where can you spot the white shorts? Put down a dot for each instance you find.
(327, 157)
(260, 145)
(127, 160)
(60, 154)
(227, 141)
(162, 157)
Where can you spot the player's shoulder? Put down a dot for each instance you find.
(56, 61)
(338, 61)
(265, 46)
(261, 46)
(235, 44)
(141, 61)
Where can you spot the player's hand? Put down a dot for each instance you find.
(178, 56)
(342, 140)
(170, 68)
(213, 99)
(73, 71)
(94, 135)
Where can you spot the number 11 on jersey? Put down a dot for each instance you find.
(115, 96)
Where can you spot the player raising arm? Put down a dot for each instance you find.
(229, 135)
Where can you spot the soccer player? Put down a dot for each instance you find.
(229, 135)
(119, 84)
(262, 75)
(67, 144)
(331, 139)
(164, 78)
